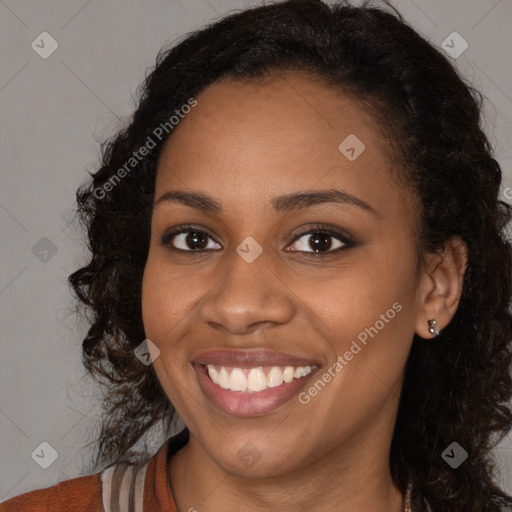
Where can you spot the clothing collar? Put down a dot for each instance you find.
(157, 491)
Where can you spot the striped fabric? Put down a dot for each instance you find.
(123, 487)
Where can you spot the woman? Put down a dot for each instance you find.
(298, 247)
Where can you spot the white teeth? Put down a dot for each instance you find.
(302, 371)
(288, 373)
(274, 377)
(237, 380)
(255, 379)
(223, 378)
(213, 373)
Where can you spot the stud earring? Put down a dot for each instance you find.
(433, 328)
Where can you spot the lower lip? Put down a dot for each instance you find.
(238, 403)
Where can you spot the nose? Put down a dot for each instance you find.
(248, 297)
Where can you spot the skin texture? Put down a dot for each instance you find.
(243, 145)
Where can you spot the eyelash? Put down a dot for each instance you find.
(313, 230)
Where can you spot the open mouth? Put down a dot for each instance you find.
(252, 391)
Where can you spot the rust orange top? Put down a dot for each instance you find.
(118, 488)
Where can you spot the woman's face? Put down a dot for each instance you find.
(275, 161)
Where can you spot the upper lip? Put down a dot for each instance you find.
(250, 358)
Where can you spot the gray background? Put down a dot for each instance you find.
(53, 112)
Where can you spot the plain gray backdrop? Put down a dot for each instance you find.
(53, 111)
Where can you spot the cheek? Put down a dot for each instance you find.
(154, 301)
(167, 299)
(165, 304)
(357, 295)
(369, 328)
(367, 316)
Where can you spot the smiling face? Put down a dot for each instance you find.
(325, 281)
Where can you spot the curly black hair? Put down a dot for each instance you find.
(456, 389)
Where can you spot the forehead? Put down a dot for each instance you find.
(264, 139)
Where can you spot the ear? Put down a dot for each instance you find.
(440, 287)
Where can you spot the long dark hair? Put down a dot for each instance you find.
(457, 388)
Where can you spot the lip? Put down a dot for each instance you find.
(246, 404)
(251, 358)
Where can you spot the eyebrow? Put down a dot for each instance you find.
(284, 203)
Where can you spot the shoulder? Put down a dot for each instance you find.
(121, 486)
(95, 493)
(82, 494)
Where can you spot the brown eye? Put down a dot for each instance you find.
(188, 240)
(320, 240)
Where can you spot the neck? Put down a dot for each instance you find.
(348, 479)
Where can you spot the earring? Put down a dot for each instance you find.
(433, 328)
